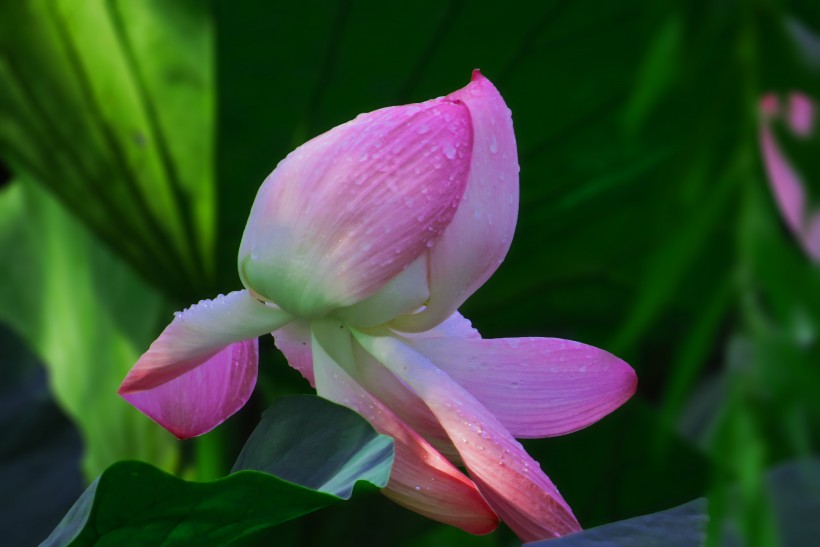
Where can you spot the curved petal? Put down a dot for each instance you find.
(536, 387)
(205, 357)
(785, 182)
(405, 293)
(510, 480)
(200, 399)
(477, 240)
(352, 208)
(421, 480)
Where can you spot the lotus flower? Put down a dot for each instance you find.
(786, 184)
(359, 248)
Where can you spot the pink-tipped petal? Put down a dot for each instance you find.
(536, 387)
(293, 340)
(421, 480)
(351, 209)
(510, 480)
(477, 240)
(200, 399)
(801, 114)
(202, 368)
(198, 333)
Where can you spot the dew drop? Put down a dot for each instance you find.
(422, 129)
(449, 151)
(493, 145)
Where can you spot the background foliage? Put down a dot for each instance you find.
(134, 136)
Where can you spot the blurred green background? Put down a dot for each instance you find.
(134, 135)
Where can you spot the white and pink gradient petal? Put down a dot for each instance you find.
(511, 481)
(198, 333)
(421, 479)
(200, 399)
(349, 210)
(479, 236)
(202, 368)
(536, 387)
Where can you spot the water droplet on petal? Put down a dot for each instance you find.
(493, 145)
(449, 151)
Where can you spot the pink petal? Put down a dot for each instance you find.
(510, 480)
(801, 114)
(536, 387)
(206, 356)
(786, 184)
(200, 399)
(293, 340)
(421, 480)
(476, 241)
(784, 181)
(352, 208)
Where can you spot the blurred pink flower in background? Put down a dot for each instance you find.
(359, 249)
(788, 187)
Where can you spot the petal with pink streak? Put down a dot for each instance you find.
(784, 181)
(421, 480)
(200, 399)
(536, 387)
(198, 333)
(352, 208)
(511, 481)
(477, 240)
(786, 184)
(293, 340)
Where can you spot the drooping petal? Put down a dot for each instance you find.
(293, 340)
(421, 480)
(204, 357)
(536, 387)
(200, 399)
(352, 208)
(477, 240)
(510, 480)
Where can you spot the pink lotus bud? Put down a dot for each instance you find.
(348, 211)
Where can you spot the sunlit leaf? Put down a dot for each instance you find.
(87, 317)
